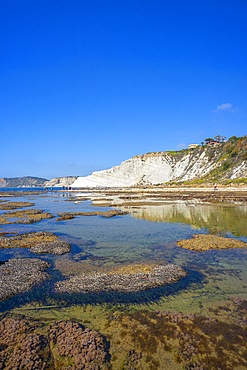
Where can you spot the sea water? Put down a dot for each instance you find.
(147, 234)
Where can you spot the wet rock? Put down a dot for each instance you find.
(123, 281)
(38, 242)
(21, 348)
(56, 247)
(201, 242)
(25, 216)
(27, 344)
(85, 348)
(14, 205)
(106, 214)
(26, 240)
(20, 275)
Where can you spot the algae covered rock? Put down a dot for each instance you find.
(26, 344)
(82, 347)
(19, 275)
(201, 242)
(130, 279)
(21, 347)
(107, 214)
(55, 247)
(24, 216)
(39, 242)
(15, 205)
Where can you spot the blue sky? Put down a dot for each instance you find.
(87, 84)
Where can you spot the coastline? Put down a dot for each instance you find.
(158, 194)
(93, 291)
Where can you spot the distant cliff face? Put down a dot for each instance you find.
(61, 181)
(19, 182)
(208, 163)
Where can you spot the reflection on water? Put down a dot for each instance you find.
(214, 218)
(99, 243)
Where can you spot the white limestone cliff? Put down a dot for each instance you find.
(211, 162)
(61, 181)
(149, 169)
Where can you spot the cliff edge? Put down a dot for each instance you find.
(211, 162)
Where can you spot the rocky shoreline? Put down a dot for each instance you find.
(19, 275)
(127, 282)
(158, 194)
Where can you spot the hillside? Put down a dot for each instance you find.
(212, 162)
(230, 160)
(19, 182)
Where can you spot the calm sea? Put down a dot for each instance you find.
(147, 234)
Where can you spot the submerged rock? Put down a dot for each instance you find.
(56, 247)
(24, 344)
(25, 216)
(106, 214)
(21, 347)
(129, 280)
(201, 242)
(19, 275)
(85, 348)
(38, 242)
(14, 205)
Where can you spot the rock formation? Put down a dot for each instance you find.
(61, 181)
(64, 345)
(19, 275)
(209, 163)
(128, 280)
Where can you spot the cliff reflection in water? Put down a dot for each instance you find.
(214, 218)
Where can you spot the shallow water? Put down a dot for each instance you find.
(148, 234)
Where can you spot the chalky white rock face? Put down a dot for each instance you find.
(61, 181)
(149, 169)
(239, 171)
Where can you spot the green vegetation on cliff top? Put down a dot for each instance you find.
(226, 155)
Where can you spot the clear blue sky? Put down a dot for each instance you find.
(86, 84)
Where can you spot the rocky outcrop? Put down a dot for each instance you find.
(201, 243)
(61, 181)
(128, 280)
(3, 183)
(38, 242)
(209, 162)
(57, 247)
